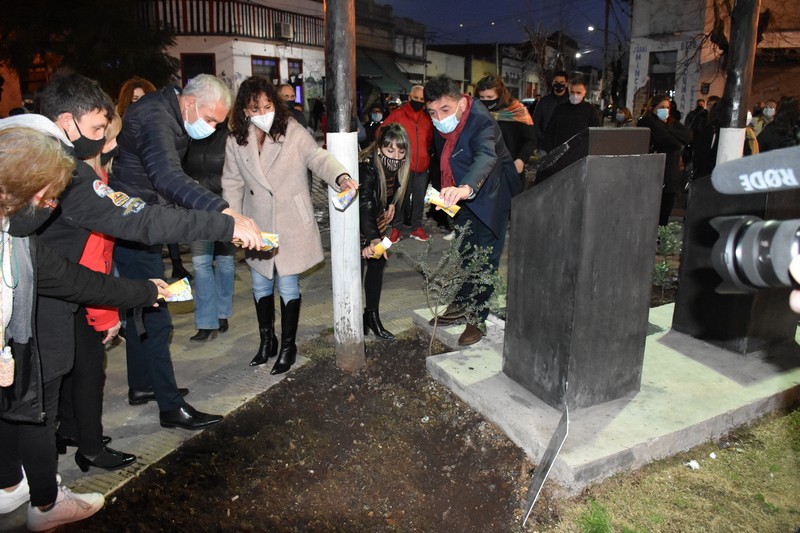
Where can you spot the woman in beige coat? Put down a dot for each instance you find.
(265, 177)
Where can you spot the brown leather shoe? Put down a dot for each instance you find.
(471, 335)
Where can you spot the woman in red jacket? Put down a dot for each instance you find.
(81, 404)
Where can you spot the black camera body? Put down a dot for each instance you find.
(740, 235)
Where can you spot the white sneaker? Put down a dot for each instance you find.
(70, 507)
(11, 500)
(449, 236)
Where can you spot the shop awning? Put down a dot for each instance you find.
(380, 69)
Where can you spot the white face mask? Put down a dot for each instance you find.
(769, 112)
(263, 122)
(575, 99)
(199, 129)
(447, 124)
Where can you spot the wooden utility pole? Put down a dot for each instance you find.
(739, 78)
(342, 141)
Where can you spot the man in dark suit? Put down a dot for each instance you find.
(154, 138)
(478, 173)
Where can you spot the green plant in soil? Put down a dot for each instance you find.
(459, 264)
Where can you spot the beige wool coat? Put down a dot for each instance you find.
(272, 189)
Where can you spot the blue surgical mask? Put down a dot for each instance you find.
(199, 129)
(662, 113)
(376, 117)
(446, 125)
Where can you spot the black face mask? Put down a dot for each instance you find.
(491, 104)
(105, 157)
(416, 106)
(28, 219)
(390, 165)
(86, 148)
(559, 87)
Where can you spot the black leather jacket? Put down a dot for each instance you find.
(369, 200)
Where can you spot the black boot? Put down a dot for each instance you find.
(290, 316)
(372, 321)
(265, 311)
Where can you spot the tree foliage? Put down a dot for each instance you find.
(103, 40)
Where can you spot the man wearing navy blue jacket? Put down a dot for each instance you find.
(154, 138)
(478, 173)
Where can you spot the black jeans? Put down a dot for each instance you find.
(373, 282)
(148, 357)
(414, 199)
(80, 410)
(483, 237)
(32, 446)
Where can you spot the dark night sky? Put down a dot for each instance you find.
(445, 17)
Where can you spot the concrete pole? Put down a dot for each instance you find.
(744, 25)
(340, 73)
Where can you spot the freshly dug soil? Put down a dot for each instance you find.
(387, 449)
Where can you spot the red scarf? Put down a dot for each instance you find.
(450, 143)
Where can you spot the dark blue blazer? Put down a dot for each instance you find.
(481, 160)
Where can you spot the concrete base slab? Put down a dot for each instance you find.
(691, 392)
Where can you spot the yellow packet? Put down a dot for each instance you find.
(181, 291)
(381, 247)
(432, 197)
(269, 241)
(342, 200)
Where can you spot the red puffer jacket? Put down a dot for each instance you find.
(419, 128)
(97, 255)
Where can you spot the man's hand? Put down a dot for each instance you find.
(245, 229)
(794, 298)
(453, 195)
(112, 332)
(520, 165)
(161, 285)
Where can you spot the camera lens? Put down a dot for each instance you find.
(752, 254)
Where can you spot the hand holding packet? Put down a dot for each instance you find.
(432, 197)
(181, 291)
(268, 241)
(342, 200)
(381, 247)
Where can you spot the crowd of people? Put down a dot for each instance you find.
(89, 188)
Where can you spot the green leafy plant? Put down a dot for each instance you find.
(459, 264)
(668, 245)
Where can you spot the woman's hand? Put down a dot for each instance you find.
(112, 332)
(161, 285)
(368, 251)
(345, 182)
(520, 165)
(390, 213)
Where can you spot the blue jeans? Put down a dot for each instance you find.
(288, 286)
(213, 293)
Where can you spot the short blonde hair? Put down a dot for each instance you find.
(29, 162)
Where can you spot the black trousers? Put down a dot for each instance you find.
(373, 282)
(80, 409)
(32, 446)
